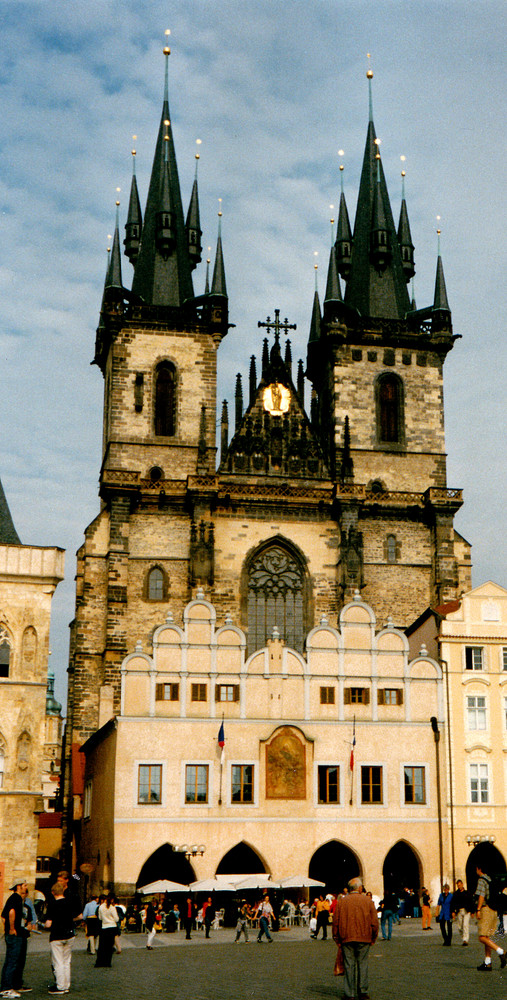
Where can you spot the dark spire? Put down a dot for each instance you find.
(315, 321)
(377, 285)
(193, 224)
(134, 223)
(252, 380)
(265, 356)
(162, 274)
(8, 533)
(301, 382)
(405, 237)
(333, 291)
(218, 286)
(440, 300)
(239, 402)
(113, 277)
(343, 237)
(288, 358)
(224, 431)
(208, 262)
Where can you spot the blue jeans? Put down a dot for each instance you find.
(387, 915)
(13, 949)
(264, 929)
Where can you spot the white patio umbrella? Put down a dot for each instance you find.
(162, 885)
(258, 882)
(212, 884)
(301, 882)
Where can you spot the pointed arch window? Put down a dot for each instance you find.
(156, 584)
(390, 410)
(276, 595)
(165, 399)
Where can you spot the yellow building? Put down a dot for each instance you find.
(473, 648)
(283, 798)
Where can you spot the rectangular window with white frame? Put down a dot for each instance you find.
(196, 783)
(328, 784)
(149, 784)
(474, 658)
(504, 658)
(415, 784)
(479, 784)
(242, 783)
(476, 712)
(227, 692)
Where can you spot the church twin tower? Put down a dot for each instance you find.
(297, 512)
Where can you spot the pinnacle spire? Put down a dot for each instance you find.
(440, 300)
(162, 274)
(333, 291)
(193, 223)
(218, 285)
(343, 243)
(8, 533)
(134, 223)
(405, 241)
(113, 277)
(315, 321)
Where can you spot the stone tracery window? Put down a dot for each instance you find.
(5, 653)
(390, 416)
(165, 399)
(276, 597)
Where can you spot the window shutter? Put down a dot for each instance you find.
(159, 692)
(366, 696)
(236, 692)
(217, 692)
(346, 696)
(399, 696)
(380, 697)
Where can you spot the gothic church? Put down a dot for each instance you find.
(294, 514)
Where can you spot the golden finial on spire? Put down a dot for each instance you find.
(134, 137)
(219, 208)
(369, 71)
(167, 51)
(208, 259)
(198, 142)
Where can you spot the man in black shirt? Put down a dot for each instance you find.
(462, 906)
(62, 912)
(12, 915)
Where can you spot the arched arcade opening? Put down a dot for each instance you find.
(402, 869)
(241, 860)
(166, 863)
(334, 864)
(489, 859)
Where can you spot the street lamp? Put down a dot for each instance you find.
(192, 851)
(436, 736)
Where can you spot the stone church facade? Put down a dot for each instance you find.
(29, 575)
(294, 513)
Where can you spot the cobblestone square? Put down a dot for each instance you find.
(412, 965)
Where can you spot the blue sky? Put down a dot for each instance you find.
(273, 90)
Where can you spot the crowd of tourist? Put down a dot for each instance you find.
(355, 917)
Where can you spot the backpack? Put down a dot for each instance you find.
(497, 898)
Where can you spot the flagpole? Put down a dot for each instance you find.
(221, 743)
(352, 761)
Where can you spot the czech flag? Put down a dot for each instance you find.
(221, 737)
(352, 747)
